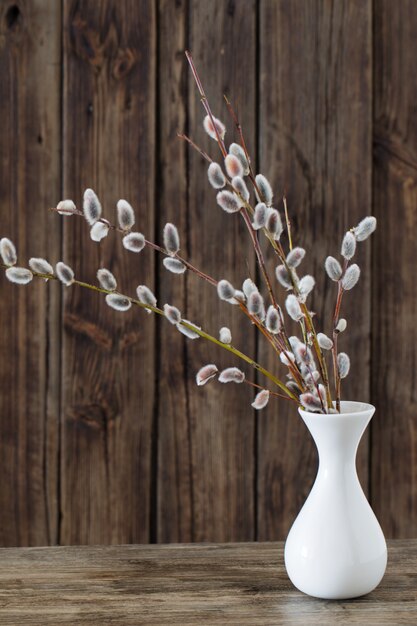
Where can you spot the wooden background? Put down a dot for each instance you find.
(104, 437)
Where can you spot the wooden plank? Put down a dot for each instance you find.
(108, 377)
(214, 584)
(394, 376)
(221, 419)
(29, 184)
(315, 143)
(174, 471)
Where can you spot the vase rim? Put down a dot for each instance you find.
(348, 408)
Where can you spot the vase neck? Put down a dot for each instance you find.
(337, 436)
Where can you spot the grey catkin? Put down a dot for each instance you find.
(231, 375)
(106, 279)
(91, 207)
(8, 251)
(351, 277)
(118, 302)
(333, 268)
(19, 275)
(273, 320)
(174, 265)
(172, 314)
(209, 128)
(171, 239)
(365, 228)
(41, 266)
(125, 215)
(225, 335)
(66, 207)
(261, 399)
(295, 256)
(215, 175)
(343, 364)
(348, 246)
(239, 185)
(228, 201)
(265, 189)
(64, 273)
(99, 231)
(239, 152)
(206, 373)
(134, 242)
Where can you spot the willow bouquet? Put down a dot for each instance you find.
(314, 367)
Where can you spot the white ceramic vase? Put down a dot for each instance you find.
(336, 548)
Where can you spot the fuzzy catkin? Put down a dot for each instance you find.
(146, 296)
(351, 277)
(19, 275)
(225, 335)
(188, 332)
(64, 273)
(228, 201)
(348, 246)
(365, 228)
(333, 268)
(310, 401)
(66, 207)
(134, 242)
(324, 341)
(205, 374)
(343, 364)
(174, 265)
(8, 251)
(233, 166)
(106, 279)
(259, 216)
(295, 256)
(125, 215)
(248, 287)
(306, 286)
(341, 325)
(273, 320)
(239, 152)
(171, 239)
(118, 302)
(283, 276)
(209, 128)
(261, 400)
(215, 175)
(293, 308)
(256, 305)
(240, 186)
(172, 314)
(231, 375)
(91, 207)
(41, 266)
(225, 290)
(265, 189)
(273, 224)
(99, 231)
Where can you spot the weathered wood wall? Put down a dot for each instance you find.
(104, 437)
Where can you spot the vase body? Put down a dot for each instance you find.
(336, 548)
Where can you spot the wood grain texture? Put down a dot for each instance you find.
(174, 474)
(230, 584)
(29, 330)
(221, 419)
(315, 145)
(394, 373)
(121, 445)
(108, 374)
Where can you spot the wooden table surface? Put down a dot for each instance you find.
(188, 585)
